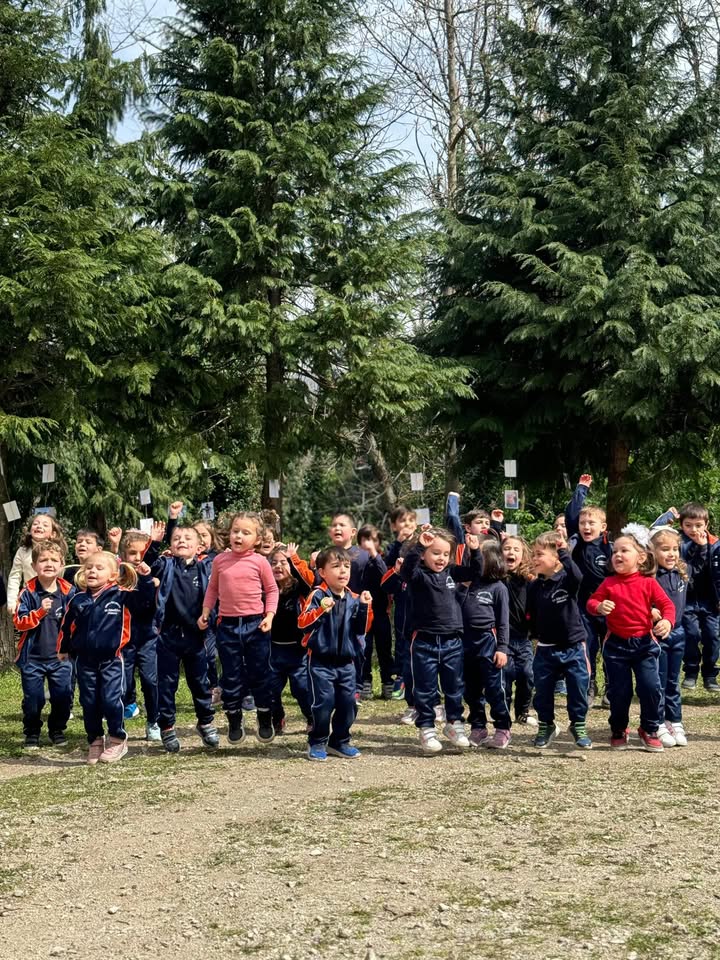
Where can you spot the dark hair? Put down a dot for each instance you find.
(440, 533)
(694, 511)
(332, 553)
(471, 515)
(132, 536)
(215, 542)
(47, 546)
(344, 513)
(369, 532)
(493, 561)
(184, 526)
(57, 532)
(399, 513)
(88, 532)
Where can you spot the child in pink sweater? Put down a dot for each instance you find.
(243, 583)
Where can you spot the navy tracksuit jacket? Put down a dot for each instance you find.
(672, 648)
(700, 620)
(486, 631)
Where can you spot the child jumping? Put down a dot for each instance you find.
(672, 577)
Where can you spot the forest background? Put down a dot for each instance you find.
(331, 243)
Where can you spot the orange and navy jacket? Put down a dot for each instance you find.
(29, 613)
(319, 625)
(98, 629)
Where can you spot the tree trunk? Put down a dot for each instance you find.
(617, 476)
(7, 630)
(452, 478)
(273, 425)
(454, 118)
(381, 472)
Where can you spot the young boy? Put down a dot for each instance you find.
(591, 554)
(183, 580)
(40, 610)
(380, 636)
(335, 621)
(403, 523)
(701, 552)
(556, 623)
(87, 542)
(475, 522)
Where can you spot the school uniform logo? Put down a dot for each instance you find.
(483, 597)
(113, 609)
(560, 596)
(450, 583)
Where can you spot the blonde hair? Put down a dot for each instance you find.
(680, 566)
(132, 536)
(648, 566)
(596, 512)
(124, 573)
(524, 568)
(47, 546)
(550, 540)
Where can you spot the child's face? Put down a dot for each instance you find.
(437, 556)
(560, 526)
(204, 536)
(134, 552)
(478, 526)
(625, 557)
(99, 572)
(368, 542)
(512, 551)
(280, 567)
(48, 565)
(695, 529)
(336, 574)
(341, 531)
(267, 544)
(405, 527)
(41, 528)
(85, 546)
(243, 535)
(184, 543)
(591, 526)
(667, 552)
(545, 561)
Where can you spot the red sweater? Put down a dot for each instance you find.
(244, 583)
(634, 597)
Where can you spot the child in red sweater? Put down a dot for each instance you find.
(627, 600)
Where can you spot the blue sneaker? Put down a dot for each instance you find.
(316, 751)
(131, 711)
(248, 704)
(398, 689)
(345, 750)
(580, 736)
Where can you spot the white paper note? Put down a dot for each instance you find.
(274, 489)
(145, 498)
(417, 481)
(511, 468)
(48, 475)
(422, 515)
(511, 529)
(207, 510)
(146, 525)
(11, 510)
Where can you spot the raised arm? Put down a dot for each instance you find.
(577, 502)
(452, 517)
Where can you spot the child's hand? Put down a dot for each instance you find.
(398, 564)
(500, 660)
(497, 515)
(656, 615)
(471, 541)
(266, 623)
(158, 531)
(327, 603)
(675, 512)
(366, 597)
(700, 537)
(605, 607)
(175, 509)
(114, 538)
(203, 622)
(46, 604)
(313, 557)
(63, 656)
(560, 540)
(142, 569)
(369, 546)
(426, 538)
(662, 628)
(292, 548)
(586, 479)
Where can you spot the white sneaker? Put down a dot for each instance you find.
(409, 717)
(527, 720)
(680, 735)
(429, 740)
(440, 714)
(665, 736)
(455, 732)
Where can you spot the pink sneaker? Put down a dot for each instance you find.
(478, 736)
(96, 751)
(115, 750)
(499, 740)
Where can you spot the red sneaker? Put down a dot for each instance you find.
(650, 741)
(619, 741)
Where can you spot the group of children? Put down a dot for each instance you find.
(481, 620)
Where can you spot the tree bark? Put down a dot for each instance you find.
(7, 630)
(617, 476)
(380, 472)
(454, 118)
(273, 425)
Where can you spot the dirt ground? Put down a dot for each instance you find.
(255, 852)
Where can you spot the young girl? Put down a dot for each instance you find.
(436, 647)
(519, 668)
(42, 527)
(485, 642)
(94, 631)
(627, 599)
(243, 583)
(210, 547)
(380, 636)
(672, 577)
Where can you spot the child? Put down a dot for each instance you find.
(475, 522)
(243, 583)
(183, 580)
(485, 643)
(560, 652)
(701, 552)
(627, 599)
(42, 528)
(380, 635)
(519, 668)
(40, 609)
(87, 542)
(210, 547)
(335, 622)
(436, 647)
(587, 526)
(266, 544)
(141, 651)
(95, 629)
(288, 657)
(403, 523)
(672, 577)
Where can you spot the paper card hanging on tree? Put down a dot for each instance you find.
(11, 510)
(49, 511)
(511, 468)
(512, 500)
(145, 498)
(207, 510)
(146, 525)
(273, 489)
(48, 475)
(511, 529)
(422, 515)
(417, 482)
(205, 465)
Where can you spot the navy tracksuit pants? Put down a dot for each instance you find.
(182, 645)
(144, 657)
(403, 667)
(436, 657)
(702, 646)
(101, 684)
(379, 638)
(332, 691)
(672, 649)
(556, 663)
(519, 670)
(595, 631)
(483, 681)
(58, 674)
(623, 658)
(288, 662)
(245, 660)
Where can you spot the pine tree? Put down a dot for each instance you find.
(583, 278)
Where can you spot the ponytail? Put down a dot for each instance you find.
(127, 576)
